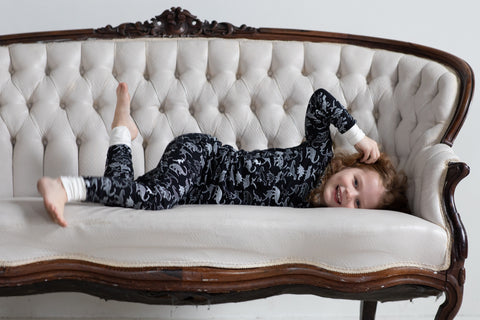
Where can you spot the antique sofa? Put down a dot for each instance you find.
(249, 87)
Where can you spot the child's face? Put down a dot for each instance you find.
(354, 188)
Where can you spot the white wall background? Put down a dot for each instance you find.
(451, 26)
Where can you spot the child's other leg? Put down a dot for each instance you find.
(54, 198)
(57, 192)
(117, 181)
(122, 111)
(180, 170)
(124, 130)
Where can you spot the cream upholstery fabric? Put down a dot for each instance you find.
(220, 236)
(57, 101)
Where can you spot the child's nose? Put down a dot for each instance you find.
(351, 193)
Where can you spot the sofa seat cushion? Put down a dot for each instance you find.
(350, 241)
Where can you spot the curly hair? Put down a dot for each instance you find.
(395, 183)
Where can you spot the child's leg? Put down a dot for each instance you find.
(56, 192)
(54, 198)
(119, 155)
(182, 171)
(179, 171)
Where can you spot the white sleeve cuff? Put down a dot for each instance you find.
(354, 135)
(120, 135)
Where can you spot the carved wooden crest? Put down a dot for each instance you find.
(175, 22)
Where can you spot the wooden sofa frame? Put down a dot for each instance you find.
(206, 285)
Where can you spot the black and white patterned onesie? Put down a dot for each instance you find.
(197, 169)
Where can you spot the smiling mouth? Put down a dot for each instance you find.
(338, 195)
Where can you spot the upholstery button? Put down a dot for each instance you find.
(208, 76)
(270, 73)
(146, 76)
(82, 71)
(13, 140)
(47, 71)
(221, 108)
(29, 105)
(177, 75)
(238, 76)
(79, 142)
(192, 111)
(253, 107)
(63, 105)
(44, 141)
(144, 144)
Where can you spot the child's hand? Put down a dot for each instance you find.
(369, 148)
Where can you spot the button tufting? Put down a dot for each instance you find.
(13, 140)
(78, 141)
(221, 108)
(192, 111)
(238, 76)
(270, 73)
(44, 141)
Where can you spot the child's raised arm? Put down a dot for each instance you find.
(323, 110)
(369, 148)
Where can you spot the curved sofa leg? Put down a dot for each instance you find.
(453, 300)
(368, 310)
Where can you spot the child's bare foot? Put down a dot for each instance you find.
(122, 111)
(54, 198)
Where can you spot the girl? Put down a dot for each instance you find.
(198, 169)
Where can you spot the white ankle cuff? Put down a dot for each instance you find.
(75, 188)
(120, 135)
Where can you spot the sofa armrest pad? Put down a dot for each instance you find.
(426, 182)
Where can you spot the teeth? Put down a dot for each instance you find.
(338, 194)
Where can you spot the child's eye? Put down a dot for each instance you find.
(357, 203)
(355, 182)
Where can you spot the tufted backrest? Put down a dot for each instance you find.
(57, 99)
